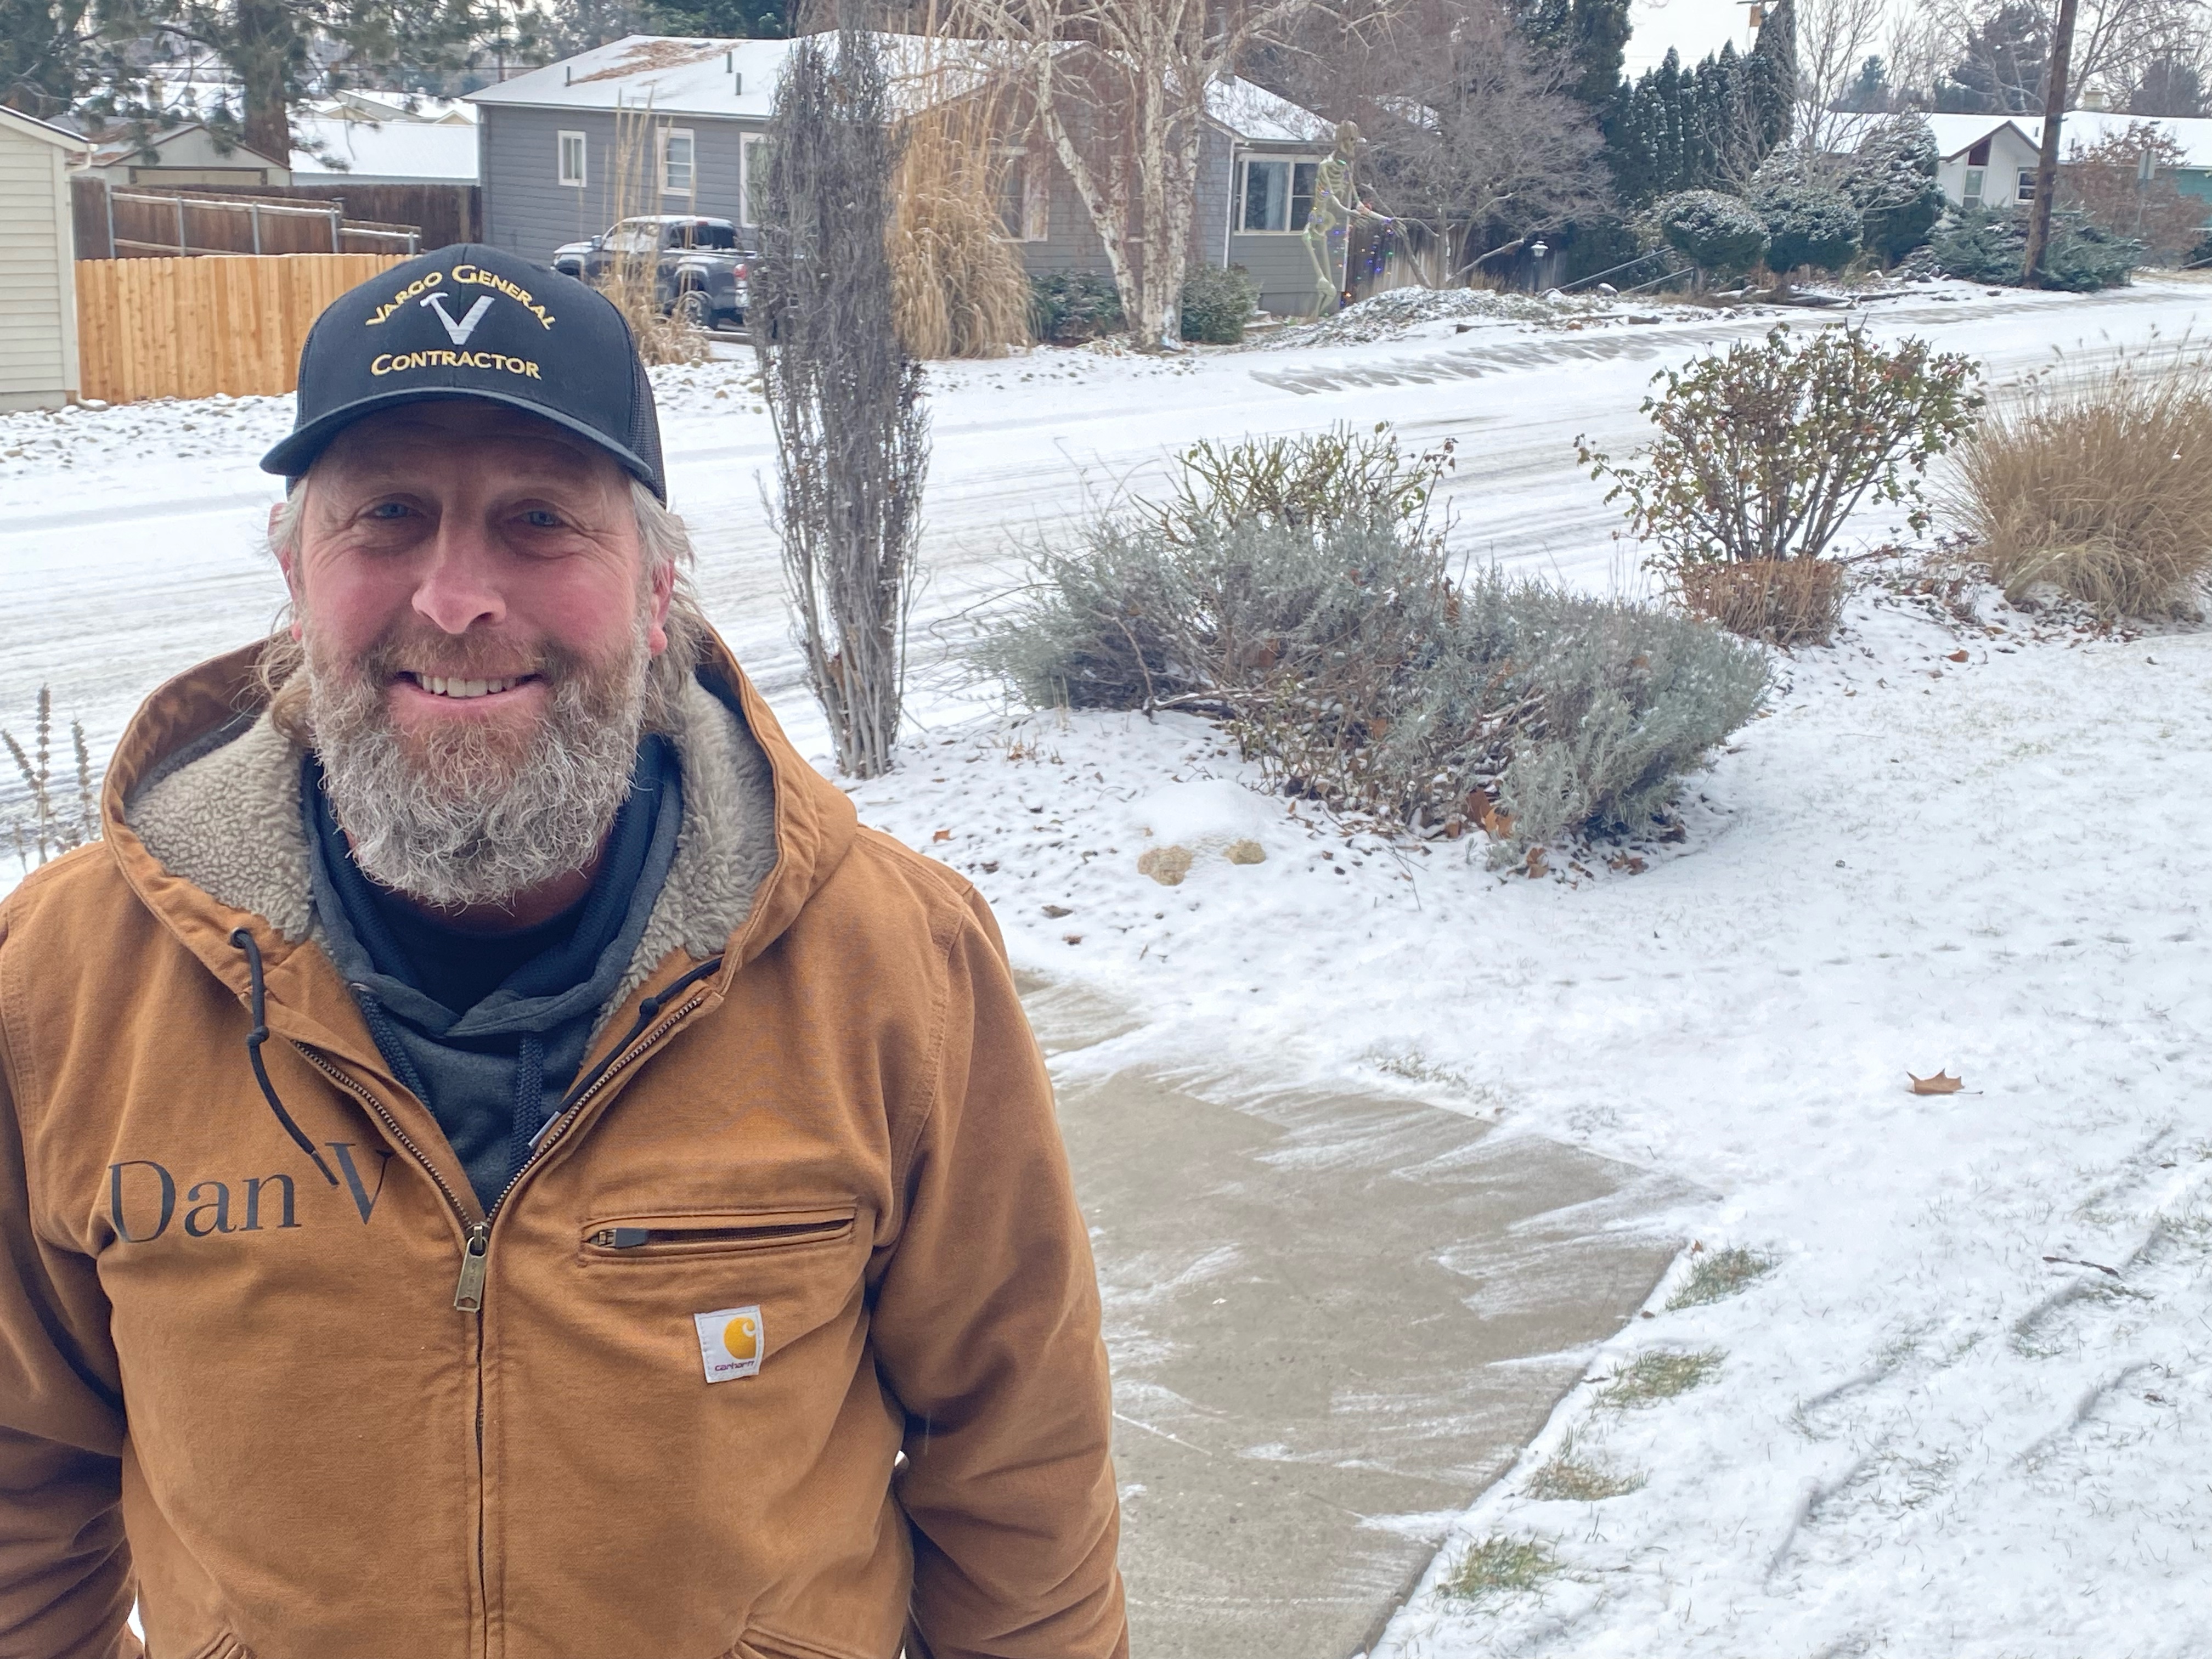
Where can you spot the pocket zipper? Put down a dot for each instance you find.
(633, 1238)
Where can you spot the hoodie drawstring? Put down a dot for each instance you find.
(258, 1003)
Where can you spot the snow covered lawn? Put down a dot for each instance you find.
(1967, 1409)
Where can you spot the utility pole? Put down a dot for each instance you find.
(2046, 163)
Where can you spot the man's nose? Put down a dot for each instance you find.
(460, 587)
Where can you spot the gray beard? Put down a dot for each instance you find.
(476, 817)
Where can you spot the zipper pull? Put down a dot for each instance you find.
(619, 1238)
(468, 1295)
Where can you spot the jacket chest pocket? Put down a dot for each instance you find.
(618, 1240)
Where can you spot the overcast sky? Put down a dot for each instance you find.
(1693, 27)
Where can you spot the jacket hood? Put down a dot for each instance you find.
(201, 812)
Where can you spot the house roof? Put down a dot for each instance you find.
(684, 75)
(428, 150)
(1957, 134)
(117, 151)
(44, 131)
(1255, 113)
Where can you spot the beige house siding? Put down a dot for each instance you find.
(37, 285)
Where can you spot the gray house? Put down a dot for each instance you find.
(659, 125)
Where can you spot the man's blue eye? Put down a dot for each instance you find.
(387, 510)
(539, 519)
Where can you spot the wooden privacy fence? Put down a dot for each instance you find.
(189, 328)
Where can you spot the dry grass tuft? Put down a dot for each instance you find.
(958, 286)
(1718, 1275)
(632, 281)
(1572, 1478)
(1500, 1566)
(2099, 484)
(1661, 1374)
(1779, 601)
(49, 832)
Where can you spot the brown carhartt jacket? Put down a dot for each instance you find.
(234, 1380)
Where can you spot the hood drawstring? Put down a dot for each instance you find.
(258, 1003)
(647, 1011)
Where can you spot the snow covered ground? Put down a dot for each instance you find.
(1967, 1408)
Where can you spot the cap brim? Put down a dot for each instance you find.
(292, 457)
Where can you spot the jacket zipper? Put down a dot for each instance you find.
(475, 1248)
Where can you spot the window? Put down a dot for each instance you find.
(2026, 185)
(1278, 196)
(634, 236)
(572, 159)
(752, 167)
(1025, 197)
(1973, 191)
(676, 156)
(1979, 155)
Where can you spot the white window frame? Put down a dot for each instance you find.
(561, 158)
(689, 187)
(749, 147)
(1033, 182)
(2027, 188)
(1289, 165)
(1971, 192)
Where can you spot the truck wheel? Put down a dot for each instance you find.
(694, 309)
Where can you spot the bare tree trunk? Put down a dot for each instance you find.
(2046, 163)
(845, 398)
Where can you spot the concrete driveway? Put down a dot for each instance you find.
(1334, 1318)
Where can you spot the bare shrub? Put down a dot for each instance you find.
(50, 832)
(843, 394)
(1763, 451)
(1308, 479)
(1349, 660)
(2101, 484)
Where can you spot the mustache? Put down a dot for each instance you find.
(466, 658)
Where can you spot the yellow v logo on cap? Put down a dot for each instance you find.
(460, 331)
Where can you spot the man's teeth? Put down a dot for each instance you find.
(439, 685)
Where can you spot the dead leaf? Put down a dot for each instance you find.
(1073, 938)
(1956, 656)
(942, 835)
(1941, 1083)
(1535, 864)
(1056, 911)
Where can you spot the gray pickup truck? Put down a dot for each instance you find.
(699, 265)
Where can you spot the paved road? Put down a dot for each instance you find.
(1334, 1319)
(109, 582)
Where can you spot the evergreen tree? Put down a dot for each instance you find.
(2000, 69)
(754, 20)
(1868, 95)
(1592, 35)
(40, 55)
(1770, 80)
(2169, 86)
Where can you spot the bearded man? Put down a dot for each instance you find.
(494, 1160)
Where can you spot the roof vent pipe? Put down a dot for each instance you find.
(740, 88)
(568, 74)
(725, 62)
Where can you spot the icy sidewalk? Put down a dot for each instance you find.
(1334, 1316)
(1929, 1428)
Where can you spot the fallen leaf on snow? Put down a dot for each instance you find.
(1536, 865)
(1073, 938)
(942, 835)
(1941, 1083)
(1056, 911)
(1956, 656)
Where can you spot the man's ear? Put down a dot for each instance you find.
(288, 562)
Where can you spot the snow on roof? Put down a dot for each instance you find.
(1957, 134)
(2090, 127)
(685, 75)
(428, 150)
(679, 76)
(114, 151)
(1253, 112)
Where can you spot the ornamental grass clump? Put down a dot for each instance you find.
(1763, 451)
(1349, 657)
(2099, 484)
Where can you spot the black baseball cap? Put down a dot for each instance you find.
(472, 321)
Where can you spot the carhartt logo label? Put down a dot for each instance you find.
(730, 1343)
(458, 332)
